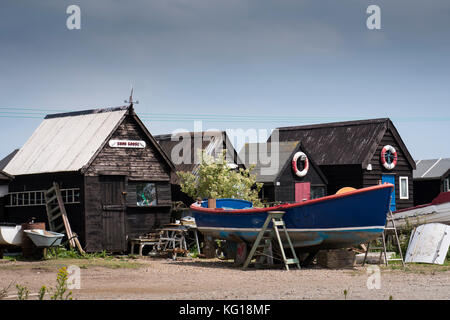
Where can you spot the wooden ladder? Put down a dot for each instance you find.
(389, 220)
(57, 216)
(263, 251)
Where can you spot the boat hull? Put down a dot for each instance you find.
(10, 235)
(438, 211)
(336, 221)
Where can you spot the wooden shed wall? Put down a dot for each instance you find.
(285, 192)
(66, 180)
(133, 165)
(142, 164)
(340, 176)
(402, 169)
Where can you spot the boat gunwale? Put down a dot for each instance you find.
(292, 205)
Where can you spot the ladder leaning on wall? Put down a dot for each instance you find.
(57, 216)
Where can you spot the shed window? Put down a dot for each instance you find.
(146, 194)
(404, 193)
(317, 192)
(447, 185)
(37, 198)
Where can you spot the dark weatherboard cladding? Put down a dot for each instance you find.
(285, 183)
(119, 174)
(349, 154)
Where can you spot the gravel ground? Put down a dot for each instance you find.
(198, 279)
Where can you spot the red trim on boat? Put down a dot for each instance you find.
(297, 204)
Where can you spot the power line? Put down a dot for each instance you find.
(9, 112)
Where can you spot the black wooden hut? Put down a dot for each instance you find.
(359, 154)
(210, 142)
(431, 177)
(113, 175)
(282, 181)
(5, 180)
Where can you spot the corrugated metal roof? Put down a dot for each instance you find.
(431, 168)
(249, 154)
(65, 142)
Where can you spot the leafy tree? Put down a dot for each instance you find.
(215, 179)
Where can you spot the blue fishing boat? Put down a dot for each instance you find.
(335, 221)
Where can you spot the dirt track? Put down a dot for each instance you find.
(212, 279)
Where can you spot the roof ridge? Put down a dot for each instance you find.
(169, 135)
(85, 112)
(335, 124)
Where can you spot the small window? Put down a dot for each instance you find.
(317, 192)
(446, 185)
(146, 194)
(404, 192)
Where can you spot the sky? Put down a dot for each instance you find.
(250, 64)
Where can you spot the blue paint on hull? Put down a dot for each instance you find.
(336, 221)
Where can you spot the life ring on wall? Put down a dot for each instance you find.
(304, 158)
(389, 157)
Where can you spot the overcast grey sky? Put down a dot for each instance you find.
(238, 64)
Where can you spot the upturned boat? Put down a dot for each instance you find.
(335, 221)
(438, 211)
(10, 234)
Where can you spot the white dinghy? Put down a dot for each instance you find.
(10, 234)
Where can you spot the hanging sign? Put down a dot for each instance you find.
(127, 144)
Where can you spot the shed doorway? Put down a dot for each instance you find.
(113, 213)
(302, 191)
(390, 178)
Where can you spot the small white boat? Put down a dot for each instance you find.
(10, 234)
(44, 239)
(438, 211)
(429, 244)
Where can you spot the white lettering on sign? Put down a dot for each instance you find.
(127, 144)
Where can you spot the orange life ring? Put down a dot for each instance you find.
(393, 152)
(304, 158)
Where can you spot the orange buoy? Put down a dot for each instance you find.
(345, 190)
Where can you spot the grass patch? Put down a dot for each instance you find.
(418, 268)
(69, 258)
(63, 253)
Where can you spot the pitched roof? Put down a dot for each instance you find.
(7, 159)
(432, 169)
(283, 154)
(70, 141)
(66, 141)
(339, 143)
(250, 151)
(168, 145)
